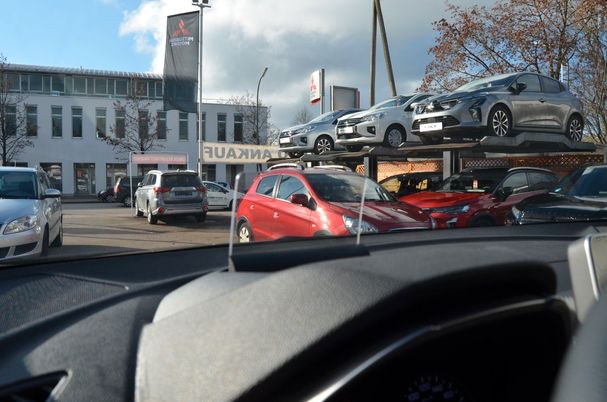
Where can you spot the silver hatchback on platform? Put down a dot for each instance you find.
(501, 106)
(170, 193)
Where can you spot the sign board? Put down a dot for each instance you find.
(238, 154)
(316, 86)
(155, 158)
(344, 98)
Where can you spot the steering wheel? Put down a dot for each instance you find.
(583, 376)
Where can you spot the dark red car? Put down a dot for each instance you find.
(481, 197)
(297, 202)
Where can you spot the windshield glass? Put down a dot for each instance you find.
(587, 182)
(497, 81)
(347, 188)
(18, 185)
(473, 182)
(393, 102)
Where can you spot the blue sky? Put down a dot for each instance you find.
(241, 37)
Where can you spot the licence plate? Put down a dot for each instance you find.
(346, 130)
(430, 127)
(284, 140)
(183, 193)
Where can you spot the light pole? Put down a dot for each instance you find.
(202, 4)
(265, 70)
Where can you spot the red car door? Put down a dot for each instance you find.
(291, 219)
(517, 184)
(259, 208)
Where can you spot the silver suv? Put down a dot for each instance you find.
(500, 106)
(171, 193)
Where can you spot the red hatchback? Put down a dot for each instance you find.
(481, 197)
(296, 202)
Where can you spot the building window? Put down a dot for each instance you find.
(53, 170)
(46, 84)
(238, 128)
(177, 167)
(84, 178)
(221, 126)
(90, 86)
(158, 89)
(100, 122)
(119, 127)
(143, 124)
(204, 127)
(35, 83)
(58, 83)
(31, 120)
(57, 121)
(13, 82)
(77, 122)
(211, 172)
(141, 88)
(79, 85)
(183, 126)
(100, 86)
(114, 171)
(161, 121)
(121, 87)
(11, 120)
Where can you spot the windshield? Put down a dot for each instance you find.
(473, 182)
(347, 188)
(394, 102)
(497, 81)
(18, 185)
(586, 182)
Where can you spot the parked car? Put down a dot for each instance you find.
(31, 217)
(501, 106)
(171, 193)
(106, 195)
(409, 183)
(481, 197)
(316, 136)
(388, 123)
(123, 193)
(580, 196)
(220, 197)
(298, 202)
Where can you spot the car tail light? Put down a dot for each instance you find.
(160, 211)
(201, 189)
(159, 190)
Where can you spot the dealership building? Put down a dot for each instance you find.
(68, 110)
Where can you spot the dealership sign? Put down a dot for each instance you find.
(237, 154)
(315, 86)
(155, 158)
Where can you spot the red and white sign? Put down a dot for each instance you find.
(315, 86)
(155, 158)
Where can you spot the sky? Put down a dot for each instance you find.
(241, 37)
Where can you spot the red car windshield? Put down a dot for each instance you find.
(473, 182)
(347, 188)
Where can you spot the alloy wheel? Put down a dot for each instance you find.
(395, 138)
(500, 123)
(575, 129)
(323, 145)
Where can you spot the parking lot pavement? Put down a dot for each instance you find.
(98, 228)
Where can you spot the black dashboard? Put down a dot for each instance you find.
(463, 315)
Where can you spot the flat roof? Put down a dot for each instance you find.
(32, 69)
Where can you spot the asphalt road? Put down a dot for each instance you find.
(98, 228)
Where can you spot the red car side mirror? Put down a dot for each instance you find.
(299, 199)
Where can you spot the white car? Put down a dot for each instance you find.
(388, 123)
(31, 218)
(219, 197)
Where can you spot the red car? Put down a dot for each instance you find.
(481, 197)
(297, 202)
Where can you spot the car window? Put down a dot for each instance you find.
(266, 185)
(588, 182)
(532, 81)
(551, 86)
(213, 187)
(476, 181)
(392, 185)
(180, 180)
(347, 188)
(290, 185)
(541, 181)
(517, 182)
(18, 185)
(42, 183)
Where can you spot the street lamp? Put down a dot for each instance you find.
(265, 70)
(202, 4)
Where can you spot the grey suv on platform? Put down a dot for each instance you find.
(316, 136)
(171, 193)
(501, 106)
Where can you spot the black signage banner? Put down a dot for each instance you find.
(181, 62)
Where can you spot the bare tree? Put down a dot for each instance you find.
(302, 116)
(256, 121)
(13, 120)
(136, 129)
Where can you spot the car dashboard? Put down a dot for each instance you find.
(464, 315)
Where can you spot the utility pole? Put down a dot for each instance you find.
(373, 56)
(384, 38)
(257, 139)
(379, 17)
(202, 4)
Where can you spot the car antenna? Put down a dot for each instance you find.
(360, 212)
(239, 177)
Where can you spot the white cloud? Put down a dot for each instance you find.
(293, 38)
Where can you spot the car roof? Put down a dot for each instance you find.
(18, 169)
(173, 172)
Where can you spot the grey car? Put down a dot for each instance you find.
(316, 136)
(31, 218)
(171, 193)
(502, 106)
